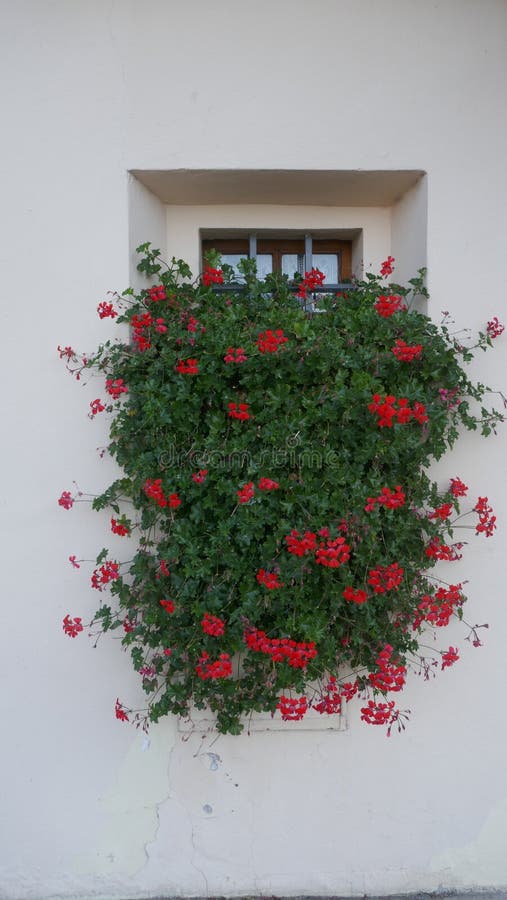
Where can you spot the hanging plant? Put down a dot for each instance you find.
(275, 483)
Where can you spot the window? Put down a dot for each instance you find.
(288, 255)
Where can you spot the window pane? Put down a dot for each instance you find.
(327, 263)
(264, 265)
(293, 262)
(232, 259)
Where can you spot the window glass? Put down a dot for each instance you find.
(327, 263)
(264, 265)
(232, 259)
(293, 262)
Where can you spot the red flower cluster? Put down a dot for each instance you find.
(388, 498)
(312, 279)
(442, 512)
(292, 709)
(235, 355)
(268, 579)
(355, 595)
(116, 388)
(406, 353)
(106, 311)
(349, 690)
(387, 306)
(160, 326)
(74, 564)
(199, 476)
(330, 700)
(437, 550)
(332, 553)
(270, 341)
(267, 484)
(157, 293)
(153, 490)
(387, 267)
(72, 627)
(296, 654)
(449, 657)
(119, 528)
(66, 500)
(300, 545)
(212, 276)
(96, 406)
(128, 625)
(187, 367)
(494, 328)
(163, 569)
(246, 493)
(239, 411)
(192, 324)
(385, 578)
(389, 676)
(168, 605)
(220, 668)
(66, 352)
(109, 571)
(120, 711)
(378, 713)
(385, 410)
(212, 625)
(458, 488)
(450, 397)
(139, 325)
(487, 522)
(438, 609)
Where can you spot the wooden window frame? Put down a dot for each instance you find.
(279, 246)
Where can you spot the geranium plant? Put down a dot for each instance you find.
(275, 456)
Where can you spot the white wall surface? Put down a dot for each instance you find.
(94, 89)
(185, 222)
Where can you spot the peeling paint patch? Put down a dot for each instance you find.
(483, 861)
(130, 808)
(211, 760)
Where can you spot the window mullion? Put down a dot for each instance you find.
(252, 246)
(308, 252)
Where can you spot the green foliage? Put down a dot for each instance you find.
(310, 430)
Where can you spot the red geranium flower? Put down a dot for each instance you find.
(72, 627)
(239, 411)
(268, 579)
(387, 306)
(292, 709)
(494, 328)
(267, 484)
(387, 267)
(66, 500)
(355, 595)
(449, 657)
(406, 353)
(96, 406)
(120, 711)
(246, 493)
(168, 605)
(187, 367)
(212, 276)
(212, 625)
(106, 310)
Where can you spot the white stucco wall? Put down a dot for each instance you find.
(184, 224)
(91, 91)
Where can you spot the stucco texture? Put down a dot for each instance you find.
(92, 90)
